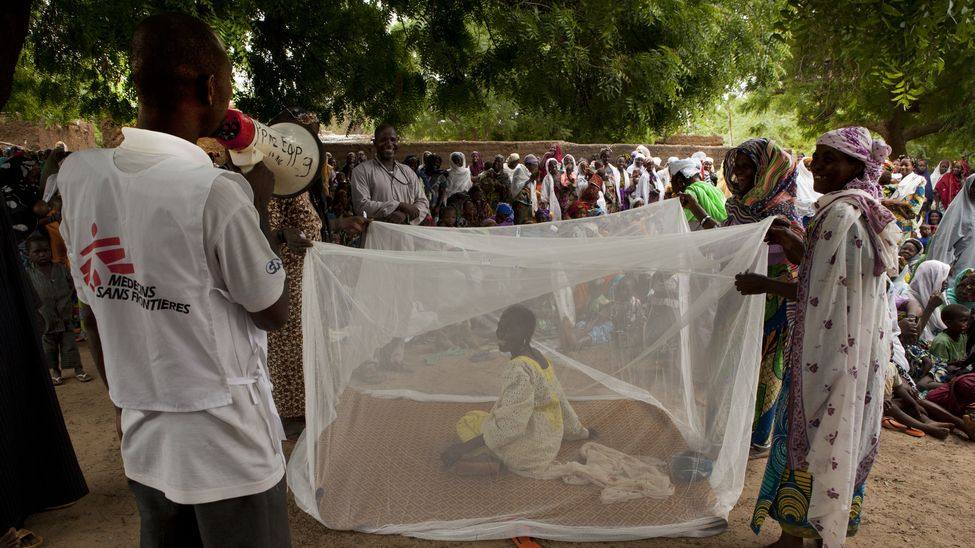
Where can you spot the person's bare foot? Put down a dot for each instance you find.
(936, 431)
(758, 452)
(968, 427)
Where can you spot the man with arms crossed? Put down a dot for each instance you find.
(386, 190)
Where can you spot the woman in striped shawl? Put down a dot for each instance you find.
(762, 180)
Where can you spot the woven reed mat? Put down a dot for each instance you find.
(380, 465)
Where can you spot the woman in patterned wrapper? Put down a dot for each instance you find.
(762, 179)
(828, 424)
(296, 224)
(525, 428)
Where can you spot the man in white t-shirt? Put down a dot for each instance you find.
(179, 283)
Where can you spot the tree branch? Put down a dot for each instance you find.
(914, 132)
(876, 127)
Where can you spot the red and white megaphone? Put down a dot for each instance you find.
(288, 146)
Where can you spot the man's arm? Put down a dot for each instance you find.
(261, 180)
(275, 316)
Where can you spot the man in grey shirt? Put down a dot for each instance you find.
(386, 190)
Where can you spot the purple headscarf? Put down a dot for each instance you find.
(856, 142)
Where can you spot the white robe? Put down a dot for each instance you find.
(806, 195)
(663, 175)
(954, 241)
(548, 192)
(642, 188)
(843, 340)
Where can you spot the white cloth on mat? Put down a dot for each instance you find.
(623, 477)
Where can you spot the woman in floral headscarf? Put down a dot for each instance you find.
(762, 180)
(828, 415)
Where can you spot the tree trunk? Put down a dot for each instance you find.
(894, 133)
(14, 20)
(897, 130)
(897, 141)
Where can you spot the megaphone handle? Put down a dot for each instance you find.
(246, 159)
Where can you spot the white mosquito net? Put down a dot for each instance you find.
(666, 217)
(648, 348)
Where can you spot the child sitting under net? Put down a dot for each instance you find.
(525, 428)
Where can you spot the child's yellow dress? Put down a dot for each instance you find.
(532, 416)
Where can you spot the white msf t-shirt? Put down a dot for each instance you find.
(229, 451)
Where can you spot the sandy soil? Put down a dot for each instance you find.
(912, 484)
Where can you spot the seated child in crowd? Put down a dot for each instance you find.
(949, 345)
(905, 406)
(448, 217)
(905, 409)
(926, 231)
(55, 291)
(543, 214)
(525, 428)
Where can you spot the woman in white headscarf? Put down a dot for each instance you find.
(806, 195)
(954, 242)
(944, 166)
(553, 173)
(930, 279)
(582, 175)
(458, 176)
(522, 191)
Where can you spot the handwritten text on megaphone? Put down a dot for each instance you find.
(283, 151)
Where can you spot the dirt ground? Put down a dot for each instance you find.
(921, 493)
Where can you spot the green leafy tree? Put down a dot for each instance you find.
(732, 118)
(585, 69)
(902, 68)
(608, 69)
(596, 70)
(337, 59)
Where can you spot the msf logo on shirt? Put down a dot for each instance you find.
(109, 252)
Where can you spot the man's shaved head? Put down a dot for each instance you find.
(173, 57)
